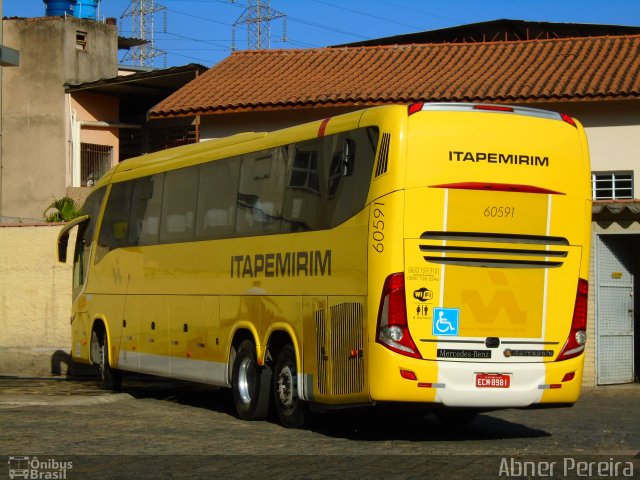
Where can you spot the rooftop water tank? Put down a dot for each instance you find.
(59, 8)
(86, 9)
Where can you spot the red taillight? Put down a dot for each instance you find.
(393, 330)
(493, 108)
(574, 345)
(415, 107)
(408, 375)
(568, 119)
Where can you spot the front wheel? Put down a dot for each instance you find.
(110, 378)
(250, 384)
(291, 410)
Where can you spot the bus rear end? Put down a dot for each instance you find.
(489, 309)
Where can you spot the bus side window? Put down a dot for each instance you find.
(179, 205)
(303, 199)
(260, 193)
(145, 210)
(349, 173)
(114, 232)
(217, 204)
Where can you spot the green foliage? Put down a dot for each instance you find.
(64, 209)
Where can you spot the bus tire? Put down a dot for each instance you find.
(110, 378)
(250, 384)
(291, 410)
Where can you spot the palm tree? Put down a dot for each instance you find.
(64, 209)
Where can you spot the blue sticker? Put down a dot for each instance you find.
(446, 321)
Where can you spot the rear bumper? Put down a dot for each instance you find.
(453, 383)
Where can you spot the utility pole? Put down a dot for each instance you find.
(142, 14)
(258, 17)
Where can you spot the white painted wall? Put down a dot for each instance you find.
(613, 132)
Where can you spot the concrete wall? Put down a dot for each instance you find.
(36, 160)
(35, 301)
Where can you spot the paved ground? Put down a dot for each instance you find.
(163, 429)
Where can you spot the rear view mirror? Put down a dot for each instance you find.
(348, 157)
(63, 236)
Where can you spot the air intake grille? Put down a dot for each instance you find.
(383, 156)
(340, 350)
(515, 251)
(347, 348)
(321, 355)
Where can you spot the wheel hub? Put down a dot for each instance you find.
(246, 379)
(286, 387)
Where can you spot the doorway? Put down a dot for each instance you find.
(617, 296)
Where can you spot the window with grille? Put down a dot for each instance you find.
(611, 185)
(95, 160)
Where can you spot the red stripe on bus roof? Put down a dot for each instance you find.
(323, 127)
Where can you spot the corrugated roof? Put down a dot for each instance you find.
(592, 68)
(156, 82)
(501, 30)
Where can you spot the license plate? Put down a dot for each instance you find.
(492, 380)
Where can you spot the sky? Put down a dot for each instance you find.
(202, 31)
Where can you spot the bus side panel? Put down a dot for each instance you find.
(80, 330)
(129, 338)
(208, 329)
(108, 309)
(186, 339)
(313, 357)
(154, 335)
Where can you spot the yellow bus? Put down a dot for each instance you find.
(431, 254)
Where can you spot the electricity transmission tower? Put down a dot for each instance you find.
(142, 14)
(258, 17)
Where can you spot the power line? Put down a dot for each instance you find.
(258, 17)
(285, 38)
(142, 14)
(289, 19)
(415, 10)
(207, 42)
(365, 14)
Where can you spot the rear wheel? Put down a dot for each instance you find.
(291, 410)
(250, 384)
(110, 378)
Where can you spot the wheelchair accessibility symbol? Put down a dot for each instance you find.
(446, 321)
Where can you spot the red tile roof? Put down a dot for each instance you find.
(591, 68)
